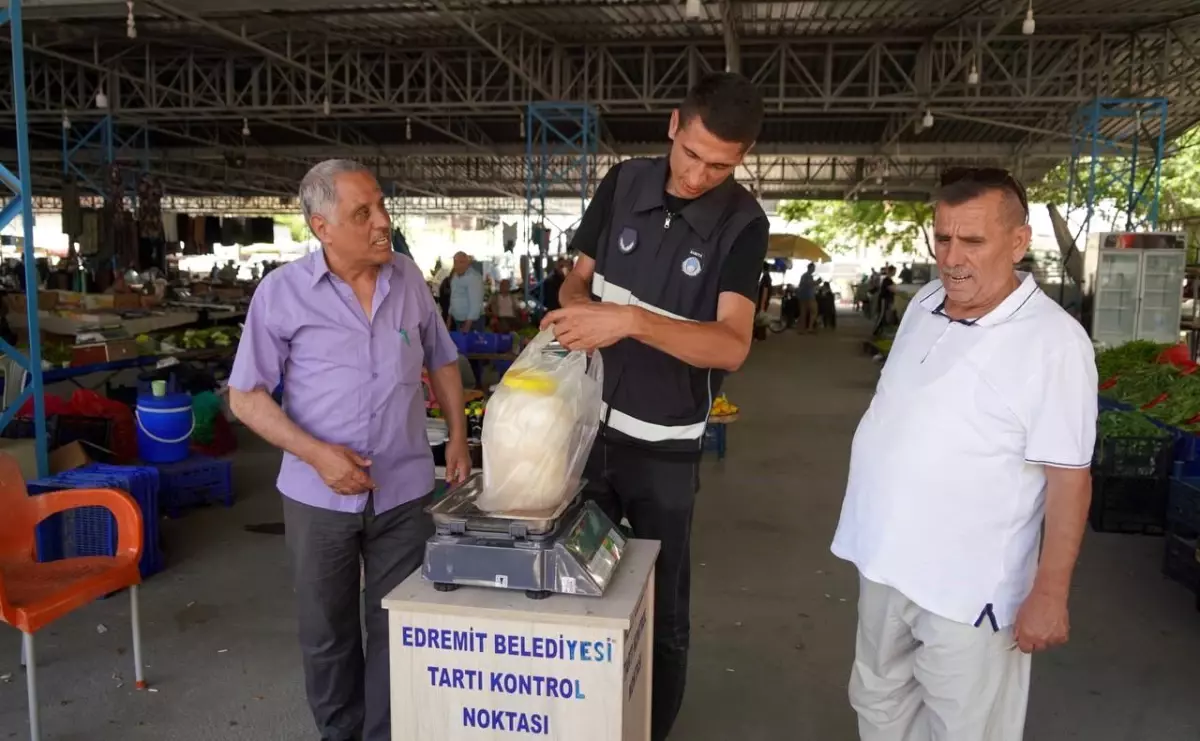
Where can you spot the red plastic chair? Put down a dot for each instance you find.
(32, 594)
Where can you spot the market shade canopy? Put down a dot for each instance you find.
(796, 248)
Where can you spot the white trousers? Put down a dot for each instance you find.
(920, 677)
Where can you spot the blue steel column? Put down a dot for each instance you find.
(22, 187)
(1115, 148)
(561, 140)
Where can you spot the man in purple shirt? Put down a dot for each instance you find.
(350, 327)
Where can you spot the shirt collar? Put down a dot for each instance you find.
(320, 268)
(702, 214)
(1007, 309)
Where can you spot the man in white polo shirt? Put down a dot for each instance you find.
(982, 426)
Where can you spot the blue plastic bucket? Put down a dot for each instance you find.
(164, 427)
(460, 341)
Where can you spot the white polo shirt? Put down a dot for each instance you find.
(947, 471)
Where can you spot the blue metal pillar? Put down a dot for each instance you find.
(561, 140)
(1117, 147)
(22, 187)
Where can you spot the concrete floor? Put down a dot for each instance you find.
(773, 611)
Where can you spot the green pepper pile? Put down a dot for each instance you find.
(1127, 424)
(1130, 356)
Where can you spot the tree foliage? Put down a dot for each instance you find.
(896, 227)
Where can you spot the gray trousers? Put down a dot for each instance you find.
(349, 689)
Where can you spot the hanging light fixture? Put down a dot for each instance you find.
(327, 106)
(973, 75)
(245, 127)
(101, 99)
(66, 122)
(692, 10)
(927, 120)
(130, 26)
(1028, 26)
(408, 129)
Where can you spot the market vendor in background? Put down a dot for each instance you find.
(352, 324)
(988, 402)
(466, 294)
(671, 251)
(503, 308)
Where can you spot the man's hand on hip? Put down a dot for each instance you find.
(1042, 622)
(343, 470)
(590, 326)
(458, 461)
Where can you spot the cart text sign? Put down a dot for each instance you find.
(456, 678)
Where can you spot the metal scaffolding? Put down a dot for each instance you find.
(1116, 156)
(22, 204)
(88, 157)
(561, 141)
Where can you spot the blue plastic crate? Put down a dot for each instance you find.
(194, 481)
(92, 531)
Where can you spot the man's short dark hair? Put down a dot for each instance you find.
(729, 106)
(962, 184)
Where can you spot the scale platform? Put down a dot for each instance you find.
(572, 549)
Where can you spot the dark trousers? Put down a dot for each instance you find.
(657, 495)
(349, 689)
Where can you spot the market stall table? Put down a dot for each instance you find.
(570, 668)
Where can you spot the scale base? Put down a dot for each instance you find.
(578, 556)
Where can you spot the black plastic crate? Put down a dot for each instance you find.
(1129, 504)
(1144, 457)
(1183, 505)
(94, 430)
(1180, 560)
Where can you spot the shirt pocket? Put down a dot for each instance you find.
(403, 354)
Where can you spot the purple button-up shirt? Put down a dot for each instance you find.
(350, 381)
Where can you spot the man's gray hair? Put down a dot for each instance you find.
(318, 189)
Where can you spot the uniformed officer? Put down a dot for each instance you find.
(665, 287)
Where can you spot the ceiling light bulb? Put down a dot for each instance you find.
(973, 75)
(1028, 26)
(408, 129)
(101, 99)
(327, 106)
(927, 120)
(245, 127)
(692, 9)
(66, 122)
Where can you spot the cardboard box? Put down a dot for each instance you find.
(104, 352)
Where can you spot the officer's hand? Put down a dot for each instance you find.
(590, 326)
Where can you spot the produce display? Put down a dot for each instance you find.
(1155, 379)
(1131, 355)
(723, 407)
(1127, 424)
(201, 339)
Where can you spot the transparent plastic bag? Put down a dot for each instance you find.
(539, 428)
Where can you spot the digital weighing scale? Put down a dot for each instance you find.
(573, 549)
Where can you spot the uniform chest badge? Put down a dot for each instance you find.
(628, 240)
(692, 266)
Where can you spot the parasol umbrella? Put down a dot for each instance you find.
(795, 247)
